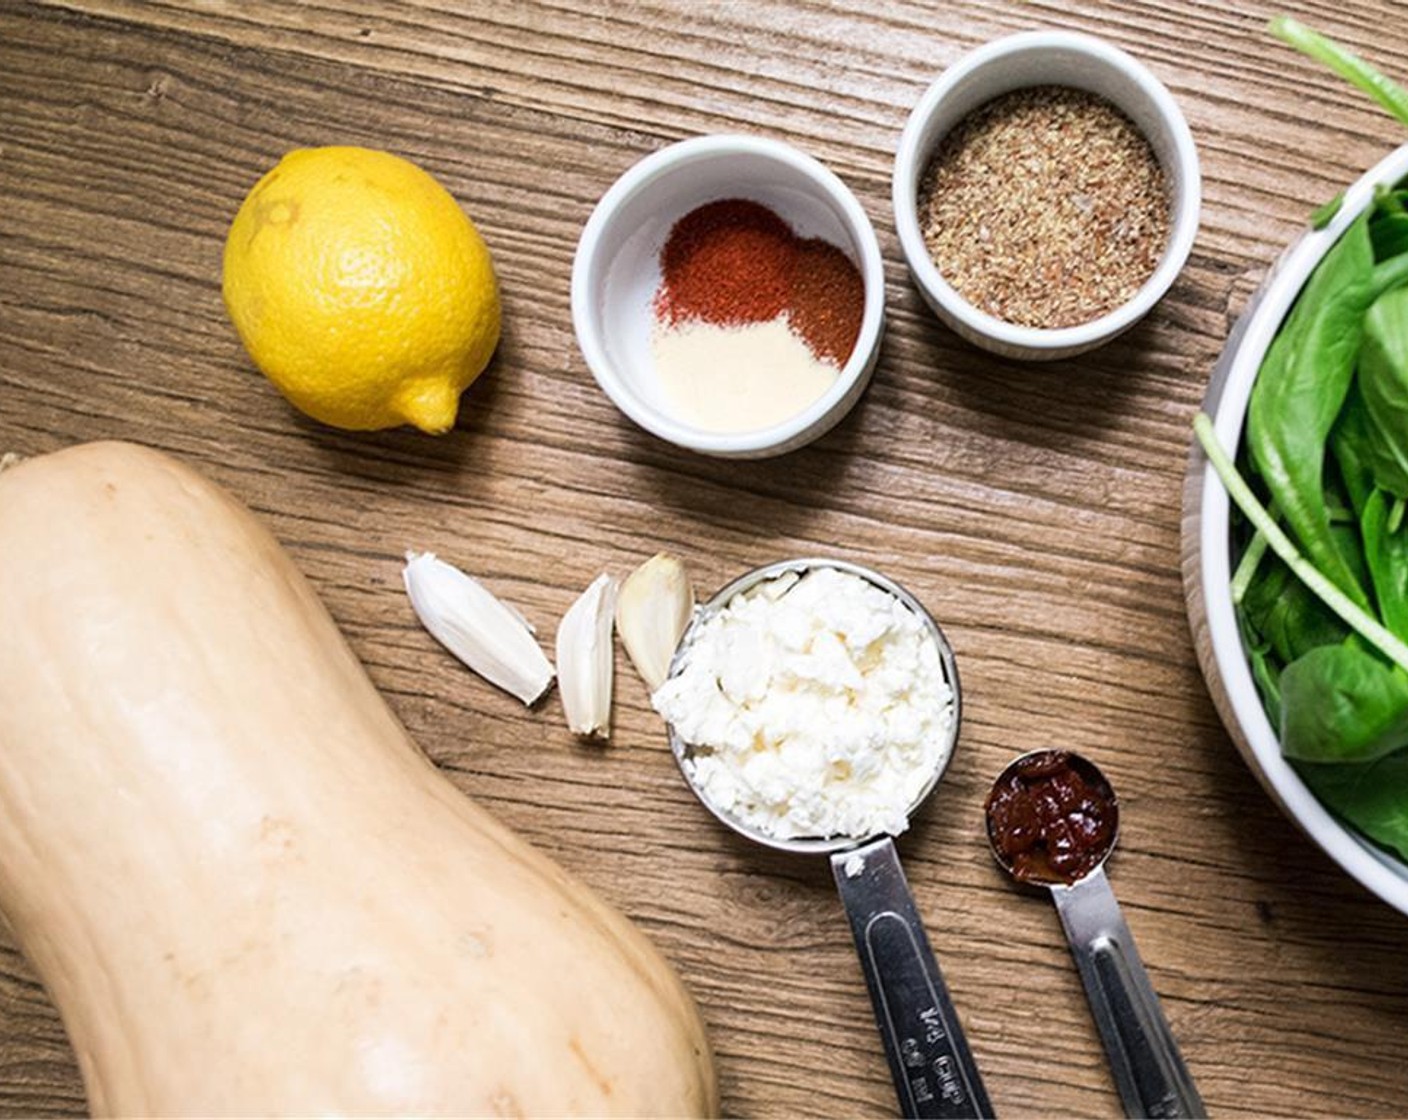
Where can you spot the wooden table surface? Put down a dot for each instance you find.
(1035, 510)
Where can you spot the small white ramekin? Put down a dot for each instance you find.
(1038, 58)
(617, 271)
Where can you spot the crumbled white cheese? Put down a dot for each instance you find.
(816, 707)
(854, 866)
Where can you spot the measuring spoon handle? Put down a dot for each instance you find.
(930, 1061)
(1144, 1058)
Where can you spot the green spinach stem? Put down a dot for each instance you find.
(1369, 628)
(1247, 566)
(1346, 64)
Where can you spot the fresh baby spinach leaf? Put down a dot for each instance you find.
(1386, 552)
(1299, 391)
(1388, 233)
(1383, 386)
(1373, 797)
(1349, 446)
(1287, 615)
(1388, 201)
(1341, 703)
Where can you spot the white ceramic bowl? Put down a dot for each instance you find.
(1207, 571)
(617, 271)
(1038, 58)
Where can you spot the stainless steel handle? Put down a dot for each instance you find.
(930, 1061)
(1148, 1069)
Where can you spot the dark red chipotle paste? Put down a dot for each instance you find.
(1052, 817)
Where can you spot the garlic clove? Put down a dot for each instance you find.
(652, 611)
(486, 634)
(584, 659)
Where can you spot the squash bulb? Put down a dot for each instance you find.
(247, 891)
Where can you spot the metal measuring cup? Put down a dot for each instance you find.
(1145, 1061)
(930, 1062)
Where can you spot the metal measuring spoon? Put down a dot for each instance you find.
(932, 1067)
(1063, 845)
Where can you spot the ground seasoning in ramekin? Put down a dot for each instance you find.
(752, 322)
(1045, 207)
(728, 262)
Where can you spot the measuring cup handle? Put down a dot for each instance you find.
(930, 1061)
(1144, 1058)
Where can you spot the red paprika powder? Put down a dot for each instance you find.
(728, 263)
(734, 261)
(826, 300)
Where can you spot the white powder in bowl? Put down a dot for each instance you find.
(738, 378)
(817, 706)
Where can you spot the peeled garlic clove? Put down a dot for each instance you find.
(652, 611)
(584, 659)
(489, 636)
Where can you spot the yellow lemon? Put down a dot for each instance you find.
(361, 289)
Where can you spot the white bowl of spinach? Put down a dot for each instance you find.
(1296, 550)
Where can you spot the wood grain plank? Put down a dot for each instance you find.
(1035, 511)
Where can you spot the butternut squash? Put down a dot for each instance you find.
(247, 890)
